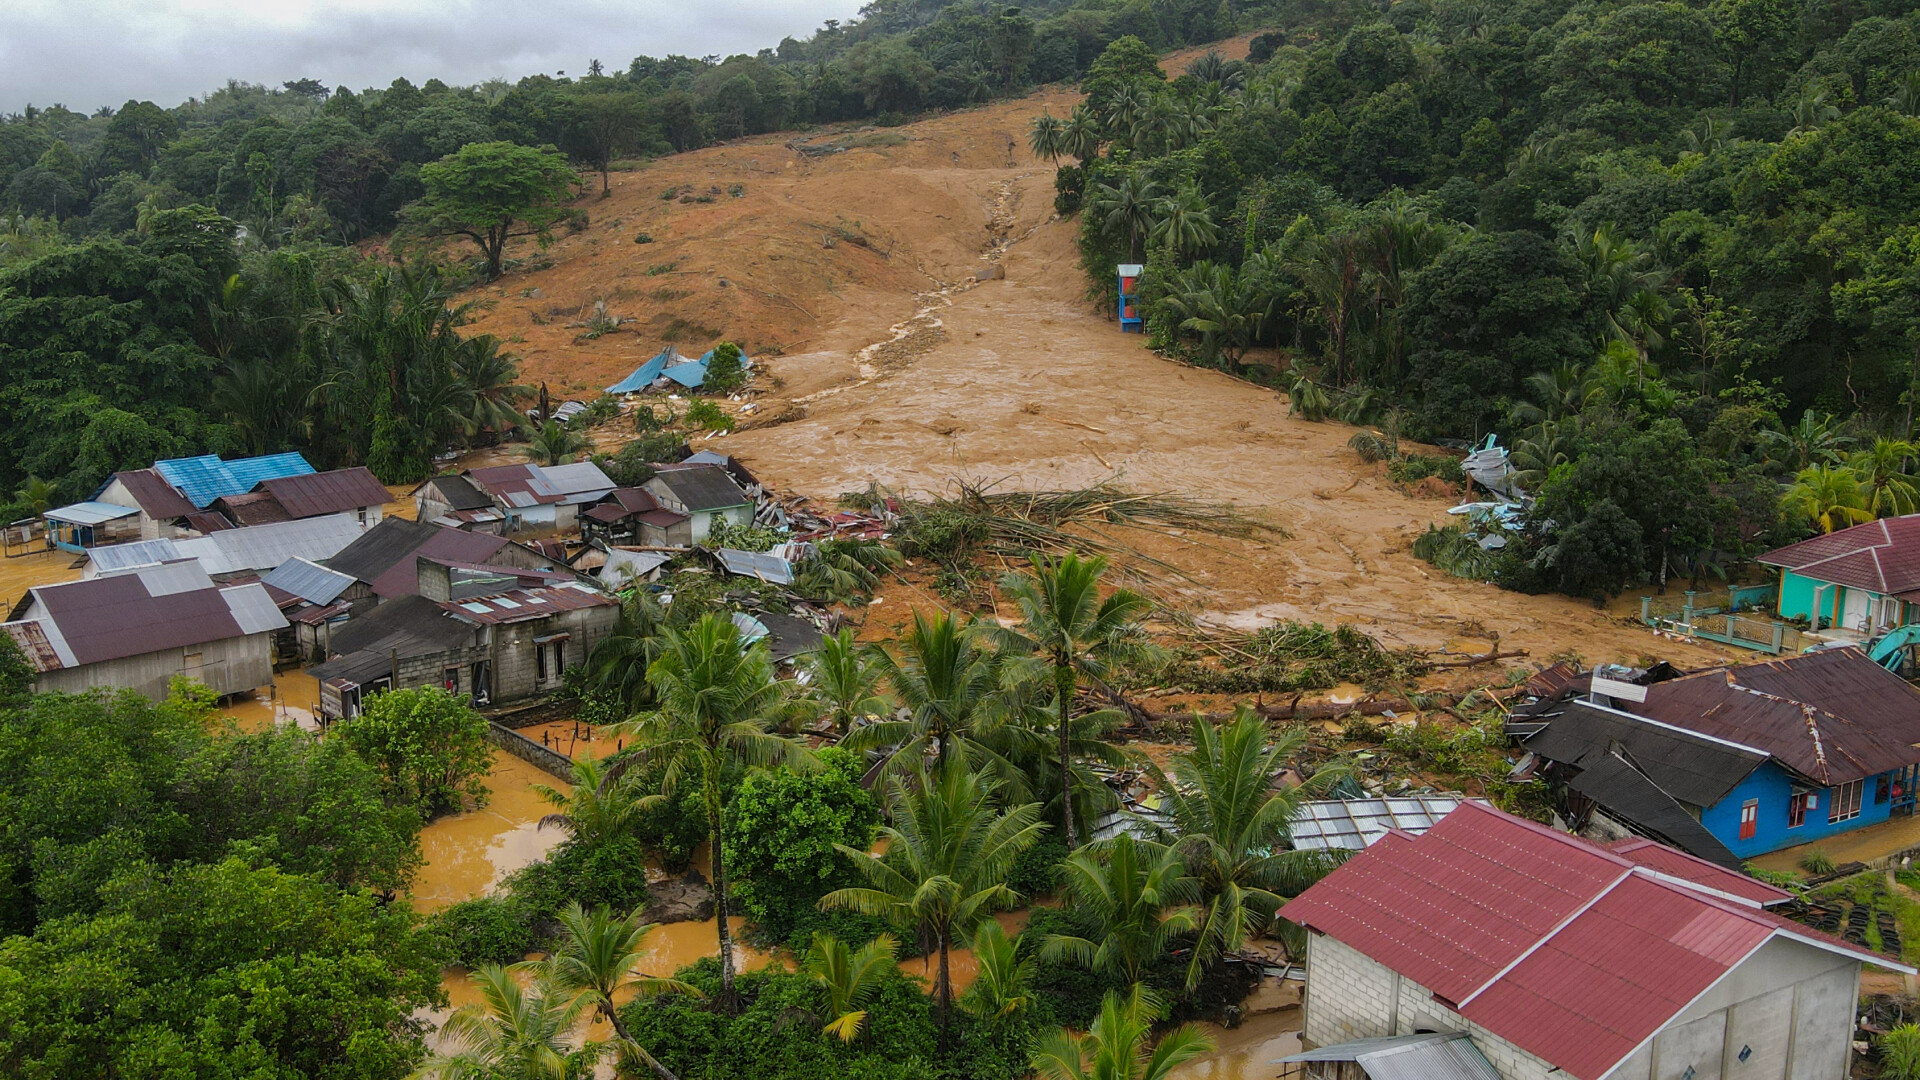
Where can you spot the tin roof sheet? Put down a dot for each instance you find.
(517, 485)
(206, 478)
(1437, 1056)
(252, 608)
(308, 580)
(1355, 824)
(702, 487)
(332, 492)
(756, 564)
(90, 513)
(151, 492)
(253, 508)
(384, 556)
(140, 611)
(525, 605)
(1881, 556)
(264, 547)
(109, 558)
(579, 482)
(1572, 952)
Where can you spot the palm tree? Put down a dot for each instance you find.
(1044, 137)
(1000, 978)
(555, 443)
(1066, 623)
(513, 1033)
(1811, 111)
(851, 978)
(1220, 304)
(1185, 223)
(1829, 496)
(1554, 394)
(1229, 823)
(842, 678)
(36, 495)
(599, 957)
(1118, 1046)
(951, 690)
(1127, 109)
(598, 809)
(1333, 269)
(487, 377)
(716, 695)
(1127, 209)
(1881, 469)
(1126, 892)
(946, 864)
(618, 663)
(1081, 134)
(846, 570)
(1814, 440)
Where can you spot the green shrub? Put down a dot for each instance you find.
(704, 414)
(488, 930)
(1413, 468)
(662, 268)
(1817, 862)
(742, 537)
(780, 834)
(643, 238)
(736, 190)
(671, 829)
(1900, 1053)
(724, 372)
(1034, 873)
(613, 873)
(669, 194)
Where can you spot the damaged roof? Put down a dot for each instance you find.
(517, 486)
(1572, 952)
(1626, 793)
(526, 605)
(1692, 768)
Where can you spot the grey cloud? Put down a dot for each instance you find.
(84, 54)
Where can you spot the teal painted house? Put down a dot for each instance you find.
(1865, 579)
(1734, 762)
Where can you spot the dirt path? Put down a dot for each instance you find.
(901, 367)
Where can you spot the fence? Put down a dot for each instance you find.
(1721, 624)
(529, 751)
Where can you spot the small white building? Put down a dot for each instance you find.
(1559, 959)
(705, 493)
(139, 629)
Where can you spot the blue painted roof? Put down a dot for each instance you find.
(690, 374)
(644, 375)
(206, 478)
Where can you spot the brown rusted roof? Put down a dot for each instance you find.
(517, 486)
(525, 605)
(156, 497)
(1831, 716)
(253, 508)
(33, 645)
(333, 492)
(384, 555)
(1881, 556)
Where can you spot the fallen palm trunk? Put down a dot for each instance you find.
(1329, 710)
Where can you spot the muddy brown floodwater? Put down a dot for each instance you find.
(468, 854)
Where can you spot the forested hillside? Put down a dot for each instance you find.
(175, 280)
(1671, 249)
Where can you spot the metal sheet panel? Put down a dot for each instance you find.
(113, 558)
(265, 547)
(253, 609)
(308, 580)
(90, 513)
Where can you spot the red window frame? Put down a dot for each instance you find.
(1749, 818)
(1797, 806)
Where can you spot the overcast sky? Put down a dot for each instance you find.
(88, 53)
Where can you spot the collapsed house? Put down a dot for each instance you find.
(634, 516)
(1733, 762)
(494, 634)
(141, 628)
(1540, 955)
(516, 497)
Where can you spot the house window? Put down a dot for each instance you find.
(540, 661)
(1844, 805)
(1749, 818)
(450, 678)
(1797, 806)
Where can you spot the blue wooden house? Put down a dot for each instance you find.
(1734, 762)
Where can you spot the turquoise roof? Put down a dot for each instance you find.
(690, 374)
(644, 375)
(206, 478)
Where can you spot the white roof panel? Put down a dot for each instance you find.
(253, 609)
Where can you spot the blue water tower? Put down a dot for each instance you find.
(1130, 297)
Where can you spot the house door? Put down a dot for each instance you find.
(1749, 818)
(1853, 616)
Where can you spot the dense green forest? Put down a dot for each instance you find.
(1667, 251)
(174, 281)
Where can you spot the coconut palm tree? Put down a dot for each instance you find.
(851, 978)
(1119, 1046)
(1127, 209)
(951, 689)
(598, 957)
(1881, 469)
(1131, 893)
(1185, 223)
(1000, 978)
(618, 663)
(1081, 135)
(512, 1033)
(1829, 496)
(1220, 304)
(1077, 633)
(598, 809)
(1333, 270)
(717, 697)
(945, 869)
(555, 443)
(1229, 823)
(1814, 440)
(36, 495)
(843, 678)
(487, 375)
(1044, 137)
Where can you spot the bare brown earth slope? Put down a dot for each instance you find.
(852, 274)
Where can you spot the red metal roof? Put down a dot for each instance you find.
(515, 485)
(1572, 952)
(154, 495)
(525, 605)
(332, 492)
(1882, 556)
(253, 508)
(1673, 862)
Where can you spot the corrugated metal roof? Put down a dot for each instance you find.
(206, 478)
(151, 492)
(253, 508)
(459, 493)
(1882, 556)
(309, 581)
(1831, 716)
(567, 410)
(580, 482)
(702, 487)
(1441, 1056)
(110, 558)
(332, 492)
(644, 375)
(253, 609)
(127, 614)
(264, 547)
(623, 566)
(1572, 952)
(516, 485)
(525, 605)
(90, 513)
(1686, 765)
(690, 374)
(1665, 860)
(1626, 793)
(756, 564)
(1355, 824)
(384, 556)
(32, 641)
